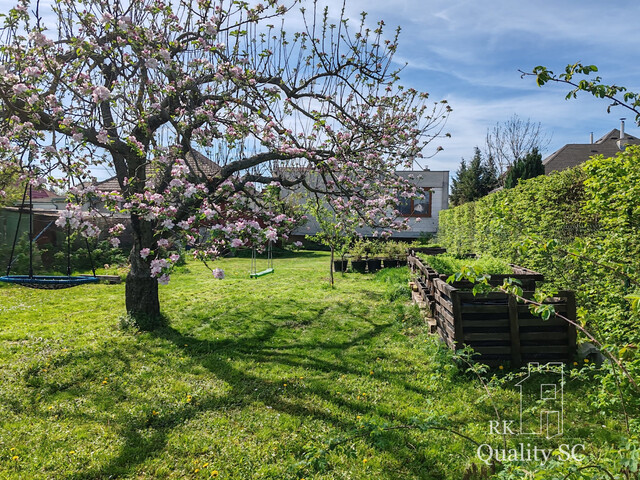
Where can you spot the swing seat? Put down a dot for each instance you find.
(263, 272)
(48, 282)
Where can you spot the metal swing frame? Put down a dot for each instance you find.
(44, 282)
(254, 261)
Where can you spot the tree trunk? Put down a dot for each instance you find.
(141, 291)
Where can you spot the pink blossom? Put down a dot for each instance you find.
(151, 63)
(145, 252)
(157, 265)
(100, 94)
(163, 242)
(115, 242)
(117, 229)
(103, 136)
(20, 88)
(163, 279)
(218, 273)
(236, 242)
(174, 257)
(271, 234)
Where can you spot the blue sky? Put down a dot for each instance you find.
(469, 52)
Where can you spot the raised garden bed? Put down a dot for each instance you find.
(495, 325)
(502, 330)
(498, 269)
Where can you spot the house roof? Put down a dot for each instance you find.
(43, 194)
(574, 154)
(199, 163)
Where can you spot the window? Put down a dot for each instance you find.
(416, 208)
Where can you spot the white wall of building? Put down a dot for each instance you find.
(436, 181)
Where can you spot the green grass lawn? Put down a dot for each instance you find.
(273, 378)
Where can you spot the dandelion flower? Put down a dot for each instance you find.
(501, 367)
(214, 473)
(365, 460)
(586, 360)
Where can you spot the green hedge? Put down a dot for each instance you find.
(592, 215)
(547, 205)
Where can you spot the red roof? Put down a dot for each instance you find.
(43, 193)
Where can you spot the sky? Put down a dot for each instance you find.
(469, 53)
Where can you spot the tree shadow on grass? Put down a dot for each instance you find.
(145, 438)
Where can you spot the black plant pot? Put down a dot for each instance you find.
(374, 264)
(394, 262)
(359, 266)
(339, 266)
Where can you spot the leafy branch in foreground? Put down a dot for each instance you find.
(618, 95)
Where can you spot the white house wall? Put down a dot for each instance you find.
(437, 181)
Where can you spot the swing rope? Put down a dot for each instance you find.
(254, 269)
(15, 238)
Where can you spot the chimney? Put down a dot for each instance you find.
(591, 138)
(622, 142)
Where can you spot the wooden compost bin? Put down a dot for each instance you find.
(502, 330)
(495, 325)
